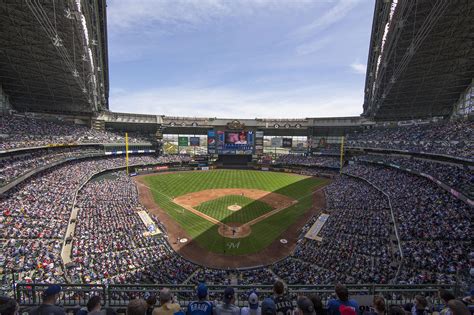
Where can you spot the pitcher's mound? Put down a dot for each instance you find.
(234, 230)
(234, 208)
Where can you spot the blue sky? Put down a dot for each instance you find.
(239, 58)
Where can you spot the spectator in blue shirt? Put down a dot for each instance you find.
(342, 305)
(200, 307)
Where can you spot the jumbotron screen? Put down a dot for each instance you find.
(236, 137)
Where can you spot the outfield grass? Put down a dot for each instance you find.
(251, 209)
(165, 187)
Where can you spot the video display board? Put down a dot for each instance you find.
(230, 142)
(287, 142)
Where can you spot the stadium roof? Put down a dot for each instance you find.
(421, 58)
(53, 55)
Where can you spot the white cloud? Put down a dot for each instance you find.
(310, 101)
(187, 14)
(333, 15)
(359, 67)
(312, 46)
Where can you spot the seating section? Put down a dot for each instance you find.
(434, 227)
(23, 132)
(36, 212)
(450, 138)
(355, 245)
(321, 161)
(15, 166)
(455, 176)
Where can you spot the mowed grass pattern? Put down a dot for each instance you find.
(165, 187)
(251, 209)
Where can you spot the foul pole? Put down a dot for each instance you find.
(342, 154)
(126, 151)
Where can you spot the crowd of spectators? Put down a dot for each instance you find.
(456, 176)
(22, 132)
(15, 166)
(308, 160)
(450, 138)
(34, 216)
(112, 242)
(434, 227)
(355, 245)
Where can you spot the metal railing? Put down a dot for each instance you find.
(118, 295)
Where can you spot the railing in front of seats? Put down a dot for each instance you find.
(118, 295)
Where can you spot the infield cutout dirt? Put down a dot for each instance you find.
(234, 208)
(277, 201)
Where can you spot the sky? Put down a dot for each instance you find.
(238, 58)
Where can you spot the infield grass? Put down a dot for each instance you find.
(251, 209)
(165, 187)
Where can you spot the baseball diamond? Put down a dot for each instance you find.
(270, 204)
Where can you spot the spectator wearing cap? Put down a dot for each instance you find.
(305, 306)
(50, 298)
(445, 296)
(342, 305)
(167, 307)
(228, 307)
(137, 307)
(318, 304)
(8, 306)
(201, 306)
(283, 305)
(253, 308)
(269, 307)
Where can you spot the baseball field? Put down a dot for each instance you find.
(233, 212)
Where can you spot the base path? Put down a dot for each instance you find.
(195, 253)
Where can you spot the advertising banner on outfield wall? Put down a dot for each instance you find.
(194, 141)
(277, 142)
(211, 142)
(183, 141)
(220, 140)
(287, 142)
(259, 142)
